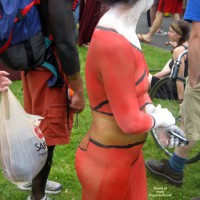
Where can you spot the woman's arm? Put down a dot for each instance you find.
(165, 71)
(62, 26)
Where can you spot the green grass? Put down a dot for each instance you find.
(63, 166)
(156, 58)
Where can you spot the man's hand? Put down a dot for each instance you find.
(168, 140)
(77, 103)
(174, 141)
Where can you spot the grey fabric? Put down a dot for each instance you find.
(19, 57)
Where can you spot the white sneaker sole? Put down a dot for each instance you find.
(46, 191)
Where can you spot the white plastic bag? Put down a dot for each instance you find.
(23, 150)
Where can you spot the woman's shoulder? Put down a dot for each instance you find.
(180, 49)
(177, 51)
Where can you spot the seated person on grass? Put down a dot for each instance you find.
(178, 33)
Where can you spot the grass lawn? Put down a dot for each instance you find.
(63, 166)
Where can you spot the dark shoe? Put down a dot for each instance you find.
(161, 169)
(195, 198)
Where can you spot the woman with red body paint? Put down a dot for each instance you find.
(109, 160)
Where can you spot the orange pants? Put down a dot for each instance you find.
(49, 103)
(115, 173)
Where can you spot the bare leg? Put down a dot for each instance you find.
(176, 16)
(156, 24)
(184, 150)
(153, 11)
(39, 182)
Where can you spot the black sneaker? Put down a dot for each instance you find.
(195, 198)
(161, 169)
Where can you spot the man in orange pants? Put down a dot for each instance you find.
(51, 102)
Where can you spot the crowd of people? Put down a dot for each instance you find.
(121, 118)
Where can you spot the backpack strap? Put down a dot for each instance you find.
(20, 16)
(55, 79)
(6, 44)
(22, 12)
(52, 81)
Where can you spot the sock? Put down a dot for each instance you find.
(176, 163)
